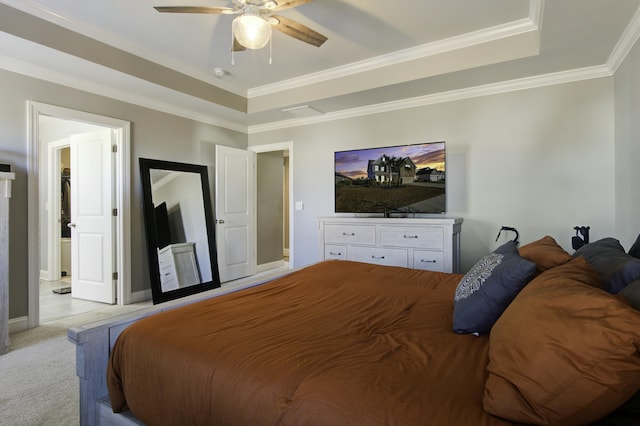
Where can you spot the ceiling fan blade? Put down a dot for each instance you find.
(297, 30)
(286, 4)
(196, 9)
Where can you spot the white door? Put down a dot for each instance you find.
(235, 213)
(92, 219)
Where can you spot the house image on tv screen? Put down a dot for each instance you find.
(403, 179)
(391, 169)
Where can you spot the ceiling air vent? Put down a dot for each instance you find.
(303, 111)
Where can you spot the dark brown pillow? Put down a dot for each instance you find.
(564, 352)
(545, 253)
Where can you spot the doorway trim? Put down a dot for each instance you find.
(123, 196)
(283, 146)
(53, 242)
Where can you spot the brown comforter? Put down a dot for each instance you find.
(337, 343)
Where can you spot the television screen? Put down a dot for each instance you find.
(393, 179)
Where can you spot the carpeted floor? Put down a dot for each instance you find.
(38, 383)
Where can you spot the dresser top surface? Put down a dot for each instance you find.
(444, 220)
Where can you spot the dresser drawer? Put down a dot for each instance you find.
(428, 260)
(168, 279)
(412, 236)
(350, 234)
(332, 251)
(379, 256)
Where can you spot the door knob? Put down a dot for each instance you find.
(71, 225)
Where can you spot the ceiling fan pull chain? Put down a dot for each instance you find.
(270, 49)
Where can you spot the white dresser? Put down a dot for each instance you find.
(178, 266)
(421, 243)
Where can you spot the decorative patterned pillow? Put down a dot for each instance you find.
(488, 288)
(546, 253)
(564, 352)
(616, 268)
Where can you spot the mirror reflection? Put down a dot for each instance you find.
(180, 238)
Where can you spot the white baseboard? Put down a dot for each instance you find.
(269, 266)
(140, 296)
(44, 275)
(19, 324)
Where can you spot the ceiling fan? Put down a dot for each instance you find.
(252, 29)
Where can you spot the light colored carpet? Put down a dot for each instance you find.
(38, 382)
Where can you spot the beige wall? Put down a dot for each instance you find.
(269, 206)
(627, 150)
(541, 160)
(154, 135)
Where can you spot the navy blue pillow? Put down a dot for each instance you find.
(616, 268)
(635, 248)
(489, 287)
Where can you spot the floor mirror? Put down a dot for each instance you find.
(178, 218)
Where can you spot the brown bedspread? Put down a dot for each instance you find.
(337, 343)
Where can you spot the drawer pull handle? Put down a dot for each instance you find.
(411, 236)
(347, 234)
(333, 253)
(377, 257)
(427, 261)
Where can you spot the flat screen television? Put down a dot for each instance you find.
(403, 179)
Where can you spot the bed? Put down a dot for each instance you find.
(350, 343)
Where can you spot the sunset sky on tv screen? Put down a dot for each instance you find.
(354, 163)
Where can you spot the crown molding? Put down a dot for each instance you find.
(475, 38)
(626, 42)
(621, 50)
(536, 12)
(108, 91)
(450, 96)
(64, 79)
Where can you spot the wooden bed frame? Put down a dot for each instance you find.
(94, 342)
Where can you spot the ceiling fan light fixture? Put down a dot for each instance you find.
(251, 30)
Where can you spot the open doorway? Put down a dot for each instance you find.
(62, 293)
(52, 124)
(273, 200)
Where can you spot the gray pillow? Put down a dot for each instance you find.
(635, 248)
(616, 268)
(631, 293)
(489, 287)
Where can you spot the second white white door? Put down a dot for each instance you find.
(92, 219)
(235, 212)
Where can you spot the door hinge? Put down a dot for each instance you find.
(115, 276)
(115, 212)
(114, 148)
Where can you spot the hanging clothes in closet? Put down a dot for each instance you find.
(65, 203)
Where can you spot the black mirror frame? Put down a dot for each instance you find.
(149, 218)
